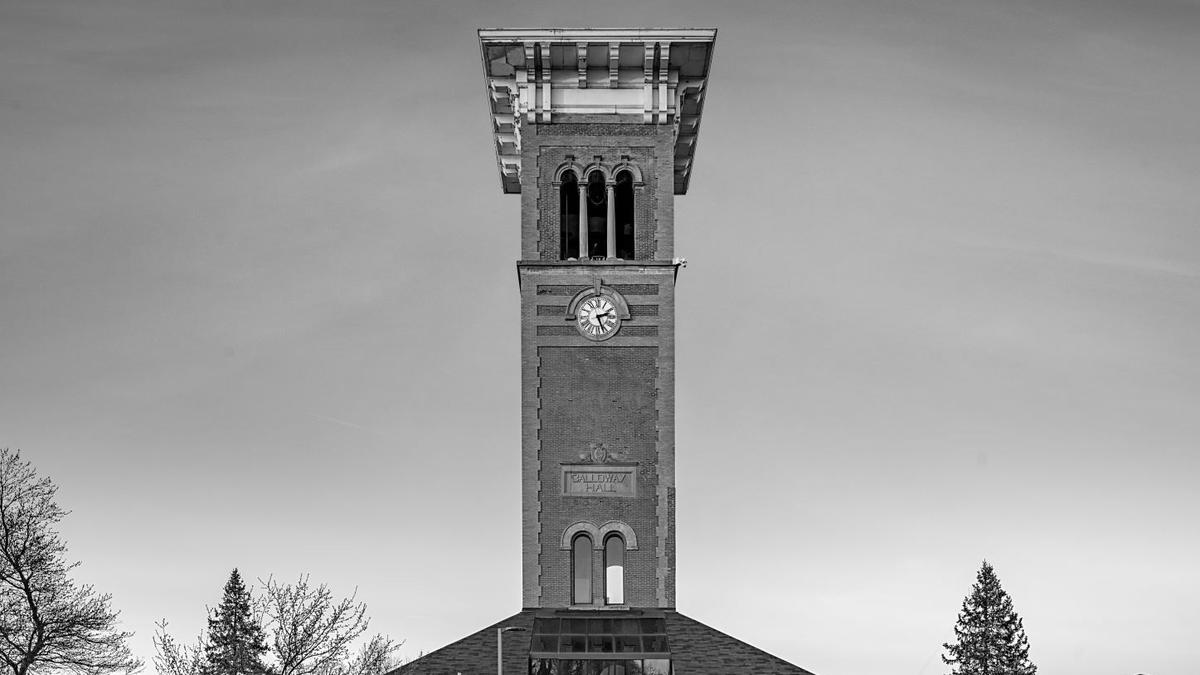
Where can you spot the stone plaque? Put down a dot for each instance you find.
(599, 480)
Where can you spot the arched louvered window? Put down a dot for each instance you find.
(568, 220)
(581, 570)
(614, 570)
(623, 211)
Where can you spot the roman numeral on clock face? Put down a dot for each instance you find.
(596, 317)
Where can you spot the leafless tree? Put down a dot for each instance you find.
(172, 657)
(48, 622)
(374, 657)
(311, 632)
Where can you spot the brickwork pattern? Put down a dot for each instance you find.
(544, 147)
(576, 130)
(550, 209)
(649, 287)
(604, 394)
(570, 290)
(650, 329)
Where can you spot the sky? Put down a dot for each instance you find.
(258, 309)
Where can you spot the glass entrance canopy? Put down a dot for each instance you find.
(583, 643)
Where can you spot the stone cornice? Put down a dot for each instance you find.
(597, 34)
(638, 75)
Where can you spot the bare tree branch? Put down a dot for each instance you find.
(311, 631)
(172, 657)
(375, 657)
(47, 621)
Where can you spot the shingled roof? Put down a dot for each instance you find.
(696, 649)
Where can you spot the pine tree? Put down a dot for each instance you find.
(235, 639)
(990, 638)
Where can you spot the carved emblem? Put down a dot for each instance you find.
(598, 453)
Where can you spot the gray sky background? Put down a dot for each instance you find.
(258, 308)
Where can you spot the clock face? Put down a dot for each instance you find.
(596, 318)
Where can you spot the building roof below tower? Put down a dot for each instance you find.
(692, 647)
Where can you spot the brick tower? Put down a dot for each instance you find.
(596, 129)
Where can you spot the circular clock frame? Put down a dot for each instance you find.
(597, 318)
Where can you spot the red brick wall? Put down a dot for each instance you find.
(565, 406)
(598, 394)
(545, 147)
(575, 391)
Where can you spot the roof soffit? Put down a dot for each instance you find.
(649, 75)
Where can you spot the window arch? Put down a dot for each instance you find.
(568, 221)
(581, 569)
(614, 569)
(597, 215)
(623, 212)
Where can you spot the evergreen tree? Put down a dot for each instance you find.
(990, 639)
(235, 639)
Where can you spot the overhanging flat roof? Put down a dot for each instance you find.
(643, 75)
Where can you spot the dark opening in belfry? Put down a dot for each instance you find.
(597, 215)
(623, 198)
(568, 221)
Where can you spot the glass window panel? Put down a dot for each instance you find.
(573, 643)
(574, 625)
(614, 570)
(653, 626)
(656, 667)
(600, 643)
(611, 668)
(655, 643)
(545, 626)
(581, 564)
(544, 643)
(599, 625)
(626, 626)
(628, 643)
(572, 667)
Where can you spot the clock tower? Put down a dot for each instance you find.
(596, 130)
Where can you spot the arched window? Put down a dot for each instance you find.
(581, 570)
(597, 215)
(614, 570)
(568, 221)
(623, 198)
